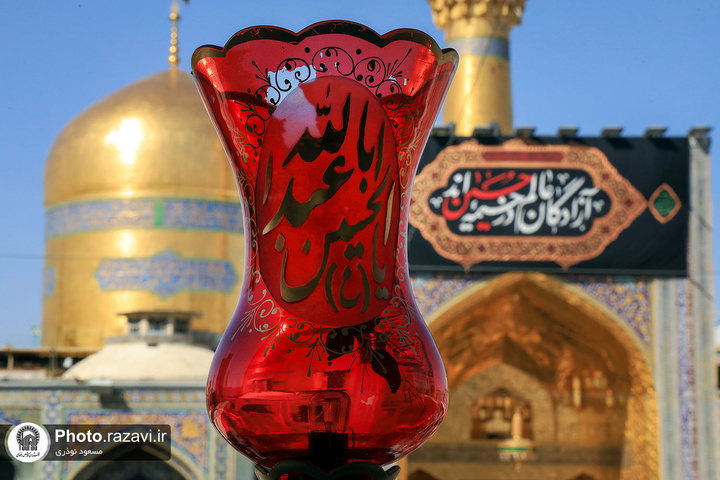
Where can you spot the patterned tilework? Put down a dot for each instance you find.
(49, 281)
(628, 297)
(25, 402)
(136, 396)
(17, 406)
(432, 291)
(101, 215)
(166, 273)
(54, 405)
(686, 370)
(221, 458)
(183, 410)
(145, 213)
(11, 418)
(203, 215)
(189, 429)
(49, 470)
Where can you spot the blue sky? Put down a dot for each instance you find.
(590, 64)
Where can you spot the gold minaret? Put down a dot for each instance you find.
(479, 30)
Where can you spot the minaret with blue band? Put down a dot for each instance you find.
(479, 30)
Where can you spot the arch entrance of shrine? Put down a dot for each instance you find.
(130, 462)
(528, 345)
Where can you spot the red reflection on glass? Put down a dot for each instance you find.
(327, 358)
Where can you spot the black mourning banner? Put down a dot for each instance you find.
(582, 205)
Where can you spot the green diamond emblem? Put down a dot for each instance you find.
(664, 203)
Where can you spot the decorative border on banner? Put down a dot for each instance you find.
(143, 213)
(467, 250)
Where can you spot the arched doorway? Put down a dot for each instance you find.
(129, 462)
(420, 475)
(7, 469)
(584, 379)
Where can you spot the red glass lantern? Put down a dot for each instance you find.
(326, 358)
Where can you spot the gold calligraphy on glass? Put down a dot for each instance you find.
(334, 232)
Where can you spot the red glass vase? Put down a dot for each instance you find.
(326, 358)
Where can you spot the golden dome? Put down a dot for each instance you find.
(142, 214)
(144, 138)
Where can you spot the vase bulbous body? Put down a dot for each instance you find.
(326, 358)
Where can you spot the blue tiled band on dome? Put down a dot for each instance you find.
(203, 215)
(482, 46)
(143, 213)
(99, 215)
(166, 274)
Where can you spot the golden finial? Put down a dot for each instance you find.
(174, 58)
(447, 11)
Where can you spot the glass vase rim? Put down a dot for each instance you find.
(326, 27)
